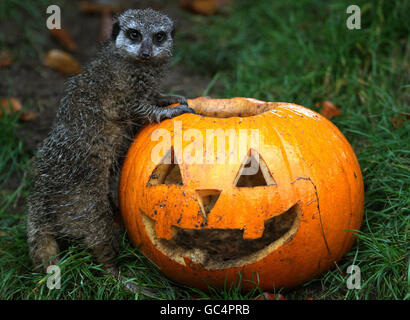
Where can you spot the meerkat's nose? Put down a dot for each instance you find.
(145, 55)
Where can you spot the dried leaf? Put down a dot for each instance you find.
(5, 58)
(329, 110)
(28, 116)
(206, 7)
(64, 38)
(62, 62)
(271, 296)
(11, 105)
(398, 121)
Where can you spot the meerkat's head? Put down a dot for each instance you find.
(144, 35)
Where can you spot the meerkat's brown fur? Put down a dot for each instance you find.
(115, 95)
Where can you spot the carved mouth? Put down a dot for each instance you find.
(225, 248)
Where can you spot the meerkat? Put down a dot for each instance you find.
(114, 96)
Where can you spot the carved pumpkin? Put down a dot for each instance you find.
(201, 223)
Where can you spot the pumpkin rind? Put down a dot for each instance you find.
(313, 167)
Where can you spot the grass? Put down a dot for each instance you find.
(298, 51)
(30, 16)
(302, 52)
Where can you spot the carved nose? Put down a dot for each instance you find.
(207, 199)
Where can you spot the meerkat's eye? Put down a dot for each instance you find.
(160, 37)
(134, 35)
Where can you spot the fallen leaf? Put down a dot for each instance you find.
(11, 105)
(205, 7)
(27, 116)
(62, 62)
(329, 110)
(398, 121)
(64, 38)
(5, 58)
(271, 296)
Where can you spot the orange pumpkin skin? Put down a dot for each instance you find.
(313, 167)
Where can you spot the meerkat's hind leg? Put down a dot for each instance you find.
(105, 252)
(103, 238)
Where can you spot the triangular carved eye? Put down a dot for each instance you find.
(207, 199)
(166, 172)
(253, 172)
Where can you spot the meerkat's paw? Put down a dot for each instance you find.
(168, 113)
(185, 109)
(180, 100)
(178, 110)
(165, 100)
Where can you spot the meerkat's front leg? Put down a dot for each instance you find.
(154, 113)
(163, 100)
(157, 114)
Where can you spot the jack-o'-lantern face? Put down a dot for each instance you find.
(216, 227)
(288, 219)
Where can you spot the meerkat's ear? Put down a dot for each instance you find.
(173, 32)
(115, 30)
